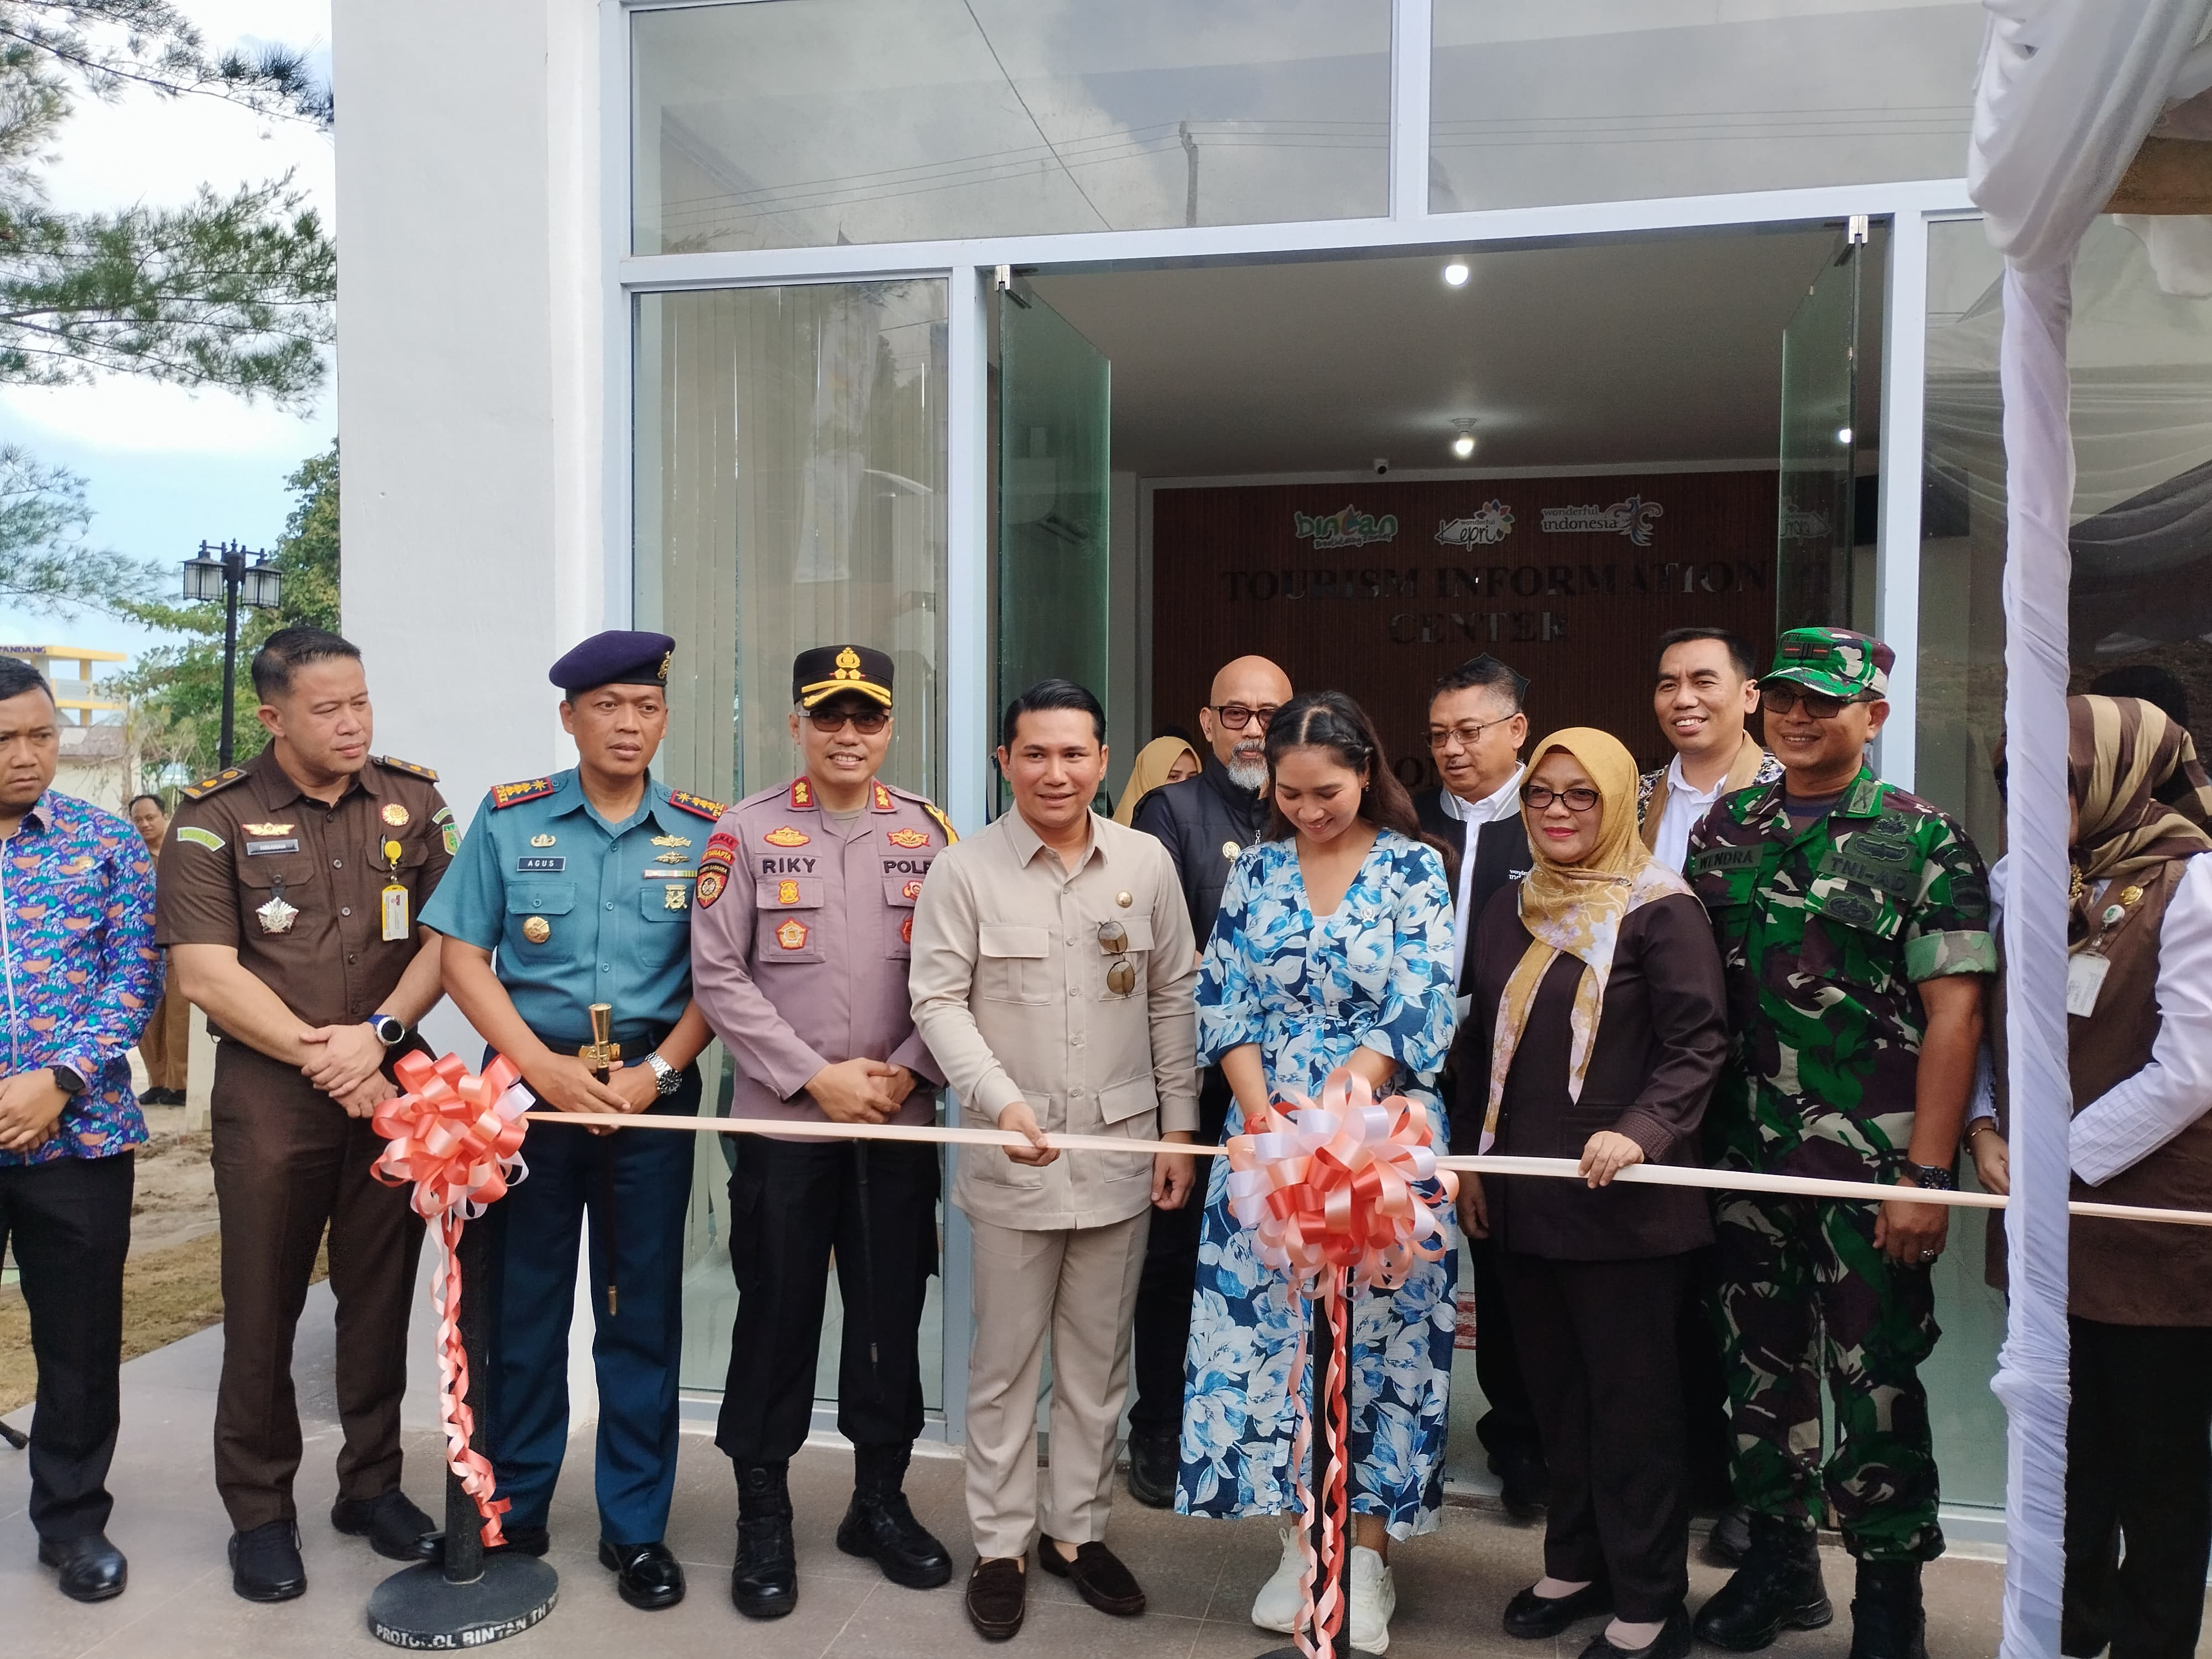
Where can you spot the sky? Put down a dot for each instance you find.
(165, 469)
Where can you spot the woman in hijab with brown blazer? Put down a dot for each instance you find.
(1598, 997)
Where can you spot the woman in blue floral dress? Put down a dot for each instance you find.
(1333, 948)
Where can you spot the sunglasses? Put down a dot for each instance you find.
(1114, 941)
(1780, 696)
(1577, 799)
(866, 721)
(1237, 716)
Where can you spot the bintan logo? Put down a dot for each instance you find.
(1631, 518)
(1487, 526)
(1347, 527)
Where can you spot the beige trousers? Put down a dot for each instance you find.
(1080, 1284)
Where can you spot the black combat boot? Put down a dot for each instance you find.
(1778, 1587)
(1886, 1620)
(881, 1527)
(765, 1582)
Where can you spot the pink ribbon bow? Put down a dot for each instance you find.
(458, 1138)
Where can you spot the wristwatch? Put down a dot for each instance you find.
(666, 1079)
(1930, 1177)
(390, 1029)
(67, 1081)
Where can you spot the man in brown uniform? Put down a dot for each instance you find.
(799, 946)
(166, 1043)
(288, 889)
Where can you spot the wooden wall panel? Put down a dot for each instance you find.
(1568, 580)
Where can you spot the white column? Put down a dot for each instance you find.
(1897, 546)
(1410, 24)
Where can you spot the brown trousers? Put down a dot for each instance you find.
(165, 1045)
(288, 1163)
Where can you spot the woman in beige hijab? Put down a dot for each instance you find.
(1162, 760)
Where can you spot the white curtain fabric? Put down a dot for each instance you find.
(2069, 90)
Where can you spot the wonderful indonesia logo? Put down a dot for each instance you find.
(1345, 527)
(1631, 518)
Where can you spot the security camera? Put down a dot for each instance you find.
(1382, 464)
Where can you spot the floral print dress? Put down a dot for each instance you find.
(1309, 991)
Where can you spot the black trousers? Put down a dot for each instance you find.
(2138, 1458)
(1705, 1384)
(1597, 1345)
(1162, 1323)
(69, 1222)
(1509, 1429)
(793, 1204)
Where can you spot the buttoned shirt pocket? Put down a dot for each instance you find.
(1137, 954)
(1119, 1101)
(666, 901)
(539, 902)
(899, 894)
(1126, 1104)
(991, 1166)
(297, 876)
(787, 922)
(1856, 904)
(1012, 964)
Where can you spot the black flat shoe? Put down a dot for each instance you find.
(92, 1569)
(996, 1598)
(1532, 1617)
(1098, 1577)
(396, 1529)
(1153, 1460)
(1524, 1486)
(265, 1564)
(517, 1540)
(646, 1575)
(1672, 1640)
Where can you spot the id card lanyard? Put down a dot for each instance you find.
(394, 897)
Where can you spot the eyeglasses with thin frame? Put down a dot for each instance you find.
(1236, 715)
(1468, 732)
(866, 721)
(1113, 938)
(1580, 799)
(1780, 696)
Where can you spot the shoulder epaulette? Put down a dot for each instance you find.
(943, 822)
(504, 795)
(697, 805)
(207, 787)
(880, 798)
(398, 765)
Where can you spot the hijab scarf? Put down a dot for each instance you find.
(1150, 772)
(2143, 797)
(1576, 909)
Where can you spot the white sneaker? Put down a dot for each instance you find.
(1280, 1600)
(1374, 1599)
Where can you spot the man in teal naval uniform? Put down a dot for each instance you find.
(572, 889)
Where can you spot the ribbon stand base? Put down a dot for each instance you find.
(468, 1598)
(1325, 1454)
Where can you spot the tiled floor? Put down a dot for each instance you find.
(1200, 1576)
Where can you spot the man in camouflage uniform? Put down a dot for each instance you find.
(1853, 919)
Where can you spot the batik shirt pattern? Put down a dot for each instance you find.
(1825, 934)
(1375, 973)
(81, 970)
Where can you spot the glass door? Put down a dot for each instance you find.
(1050, 580)
(1814, 584)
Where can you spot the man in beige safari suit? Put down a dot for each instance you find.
(1052, 981)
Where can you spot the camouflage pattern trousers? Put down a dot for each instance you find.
(1802, 1292)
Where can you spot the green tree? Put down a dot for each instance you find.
(45, 563)
(176, 691)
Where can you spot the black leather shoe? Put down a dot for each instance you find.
(646, 1575)
(1778, 1587)
(1153, 1459)
(1730, 1541)
(1098, 1577)
(880, 1526)
(998, 1593)
(1533, 1617)
(1524, 1485)
(517, 1540)
(1673, 1641)
(265, 1564)
(764, 1578)
(395, 1528)
(92, 1569)
(1887, 1619)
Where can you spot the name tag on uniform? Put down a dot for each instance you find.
(395, 914)
(2085, 978)
(255, 849)
(543, 864)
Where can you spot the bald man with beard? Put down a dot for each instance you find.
(1205, 821)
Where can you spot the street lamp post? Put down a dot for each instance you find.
(221, 573)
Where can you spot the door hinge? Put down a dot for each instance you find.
(1002, 278)
(1857, 232)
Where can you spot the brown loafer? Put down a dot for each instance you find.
(1098, 1575)
(996, 1593)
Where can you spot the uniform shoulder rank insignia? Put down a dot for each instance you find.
(785, 836)
(207, 787)
(409, 767)
(951, 836)
(884, 802)
(504, 795)
(697, 805)
(802, 794)
(907, 837)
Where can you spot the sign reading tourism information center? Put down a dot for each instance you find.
(1378, 589)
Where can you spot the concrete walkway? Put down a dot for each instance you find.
(1200, 1575)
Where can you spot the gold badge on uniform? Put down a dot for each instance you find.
(268, 828)
(1124, 899)
(393, 814)
(785, 836)
(786, 892)
(672, 840)
(671, 858)
(792, 935)
(911, 891)
(1230, 849)
(537, 930)
(675, 896)
(276, 916)
(909, 837)
(541, 840)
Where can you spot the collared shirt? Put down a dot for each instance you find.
(1502, 803)
(1825, 931)
(577, 910)
(248, 846)
(77, 948)
(1016, 997)
(1684, 806)
(1669, 838)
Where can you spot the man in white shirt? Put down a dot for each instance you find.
(1705, 686)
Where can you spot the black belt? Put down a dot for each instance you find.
(637, 1040)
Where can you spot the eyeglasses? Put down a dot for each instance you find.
(1780, 696)
(1466, 731)
(1237, 716)
(1114, 941)
(1577, 799)
(866, 721)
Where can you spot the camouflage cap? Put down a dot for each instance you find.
(1834, 661)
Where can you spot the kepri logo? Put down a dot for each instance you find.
(1491, 523)
(1347, 527)
(1631, 518)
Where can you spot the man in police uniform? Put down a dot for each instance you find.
(798, 959)
(574, 890)
(1853, 921)
(288, 898)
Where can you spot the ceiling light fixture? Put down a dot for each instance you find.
(1456, 273)
(1464, 445)
(1843, 435)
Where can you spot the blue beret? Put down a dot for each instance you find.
(616, 658)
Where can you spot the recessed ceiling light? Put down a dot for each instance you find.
(1464, 445)
(1843, 435)
(1456, 273)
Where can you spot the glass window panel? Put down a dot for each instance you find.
(1538, 101)
(803, 123)
(790, 492)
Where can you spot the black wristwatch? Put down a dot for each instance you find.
(67, 1081)
(390, 1029)
(1930, 1177)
